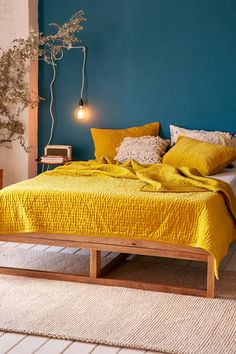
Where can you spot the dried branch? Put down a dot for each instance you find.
(15, 95)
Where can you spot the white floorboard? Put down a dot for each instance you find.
(40, 247)
(11, 244)
(113, 255)
(12, 343)
(54, 346)
(105, 253)
(83, 252)
(77, 347)
(25, 246)
(9, 340)
(104, 349)
(28, 345)
(54, 249)
(70, 250)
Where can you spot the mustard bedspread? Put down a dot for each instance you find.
(155, 203)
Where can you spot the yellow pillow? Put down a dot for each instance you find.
(107, 140)
(207, 158)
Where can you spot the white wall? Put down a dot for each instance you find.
(16, 18)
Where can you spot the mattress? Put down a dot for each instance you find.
(228, 175)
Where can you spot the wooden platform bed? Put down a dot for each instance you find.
(123, 246)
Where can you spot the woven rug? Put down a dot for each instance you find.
(118, 316)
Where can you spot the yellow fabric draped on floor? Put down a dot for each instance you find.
(154, 202)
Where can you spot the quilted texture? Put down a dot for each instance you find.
(145, 150)
(107, 140)
(128, 201)
(205, 157)
(213, 137)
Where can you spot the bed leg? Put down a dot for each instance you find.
(95, 263)
(210, 277)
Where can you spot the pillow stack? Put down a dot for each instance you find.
(207, 151)
(107, 140)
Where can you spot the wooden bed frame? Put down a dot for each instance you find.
(123, 246)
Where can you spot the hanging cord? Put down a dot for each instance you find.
(52, 98)
(53, 59)
(83, 71)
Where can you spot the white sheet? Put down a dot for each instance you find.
(228, 175)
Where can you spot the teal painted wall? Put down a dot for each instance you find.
(172, 61)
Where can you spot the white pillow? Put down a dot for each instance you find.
(145, 150)
(213, 137)
(232, 143)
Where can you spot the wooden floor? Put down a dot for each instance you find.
(14, 343)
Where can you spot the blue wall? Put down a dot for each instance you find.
(172, 61)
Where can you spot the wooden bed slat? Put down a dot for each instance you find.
(102, 281)
(170, 251)
(90, 240)
(125, 247)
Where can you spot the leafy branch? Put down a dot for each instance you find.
(15, 94)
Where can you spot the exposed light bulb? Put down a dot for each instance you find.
(79, 112)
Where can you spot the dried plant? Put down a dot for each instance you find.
(15, 95)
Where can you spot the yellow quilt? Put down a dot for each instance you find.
(155, 203)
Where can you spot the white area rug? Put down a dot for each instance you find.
(117, 316)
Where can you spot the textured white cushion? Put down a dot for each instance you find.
(213, 137)
(145, 150)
